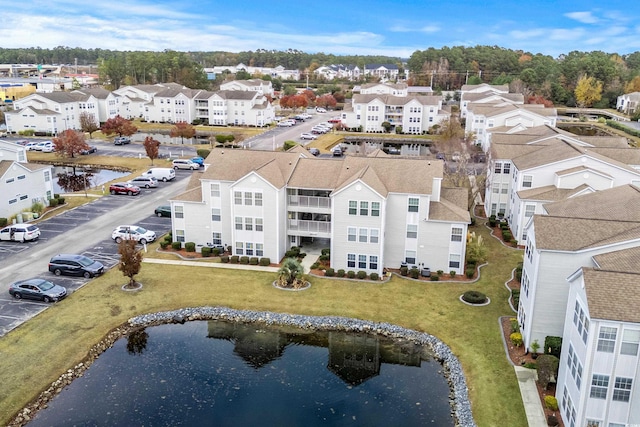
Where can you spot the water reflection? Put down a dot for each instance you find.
(229, 374)
(72, 179)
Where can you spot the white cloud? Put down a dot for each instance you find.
(584, 17)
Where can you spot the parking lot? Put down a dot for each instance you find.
(74, 225)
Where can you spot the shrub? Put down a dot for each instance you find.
(351, 274)
(190, 246)
(289, 145)
(469, 272)
(492, 221)
(234, 259)
(294, 252)
(325, 251)
(440, 273)
(244, 260)
(3, 222)
(404, 271)
(164, 244)
(205, 251)
(53, 202)
(203, 152)
(519, 272)
(264, 262)
(474, 297)
(552, 421)
(547, 368)
(61, 200)
(56, 196)
(253, 260)
(553, 346)
(374, 276)
(37, 207)
(516, 339)
(515, 327)
(215, 251)
(224, 258)
(434, 278)
(324, 257)
(452, 274)
(329, 272)
(530, 365)
(414, 273)
(176, 245)
(315, 265)
(361, 275)
(515, 296)
(167, 238)
(341, 273)
(506, 236)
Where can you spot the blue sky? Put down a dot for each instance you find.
(372, 27)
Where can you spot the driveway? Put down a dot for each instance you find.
(274, 138)
(85, 230)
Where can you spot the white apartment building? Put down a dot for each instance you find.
(628, 103)
(22, 184)
(484, 93)
(263, 87)
(373, 215)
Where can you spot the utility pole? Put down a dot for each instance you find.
(431, 84)
(466, 79)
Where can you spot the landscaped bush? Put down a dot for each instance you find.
(190, 246)
(203, 152)
(519, 272)
(551, 402)
(164, 244)
(324, 257)
(176, 245)
(294, 252)
(205, 251)
(234, 259)
(552, 421)
(474, 297)
(547, 369)
(351, 274)
(530, 365)
(361, 275)
(341, 273)
(329, 272)
(440, 273)
(224, 258)
(515, 296)
(469, 272)
(553, 345)
(53, 202)
(315, 265)
(404, 271)
(452, 274)
(215, 251)
(253, 260)
(374, 276)
(515, 326)
(434, 278)
(56, 196)
(3, 222)
(325, 251)
(244, 260)
(60, 200)
(414, 273)
(492, 221)
(516, 339)
(506, 236)
(265, 262)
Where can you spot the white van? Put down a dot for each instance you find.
(161, 174)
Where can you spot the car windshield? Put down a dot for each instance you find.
(45, 286)
(32, 228)
(85, 262)
(139, 230)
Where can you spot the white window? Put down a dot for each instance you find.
(504, 189)
(495, 187)
(179, 211)
(363, 235)
(257, 198)
(248, 199)
(248, 224)
(364, 208)
(259, 224)
(249, 249)
(630, 340)
(351, 260)
(259, 249)
(529, 210)
(238, 223)
(506, 167)
(412, 231)
(179, 235)
(410, 257)
(454, 261)
(47, 176)
(373, 262)
(215, 190)
(353, 207)
(498, 167)
(574, 366)
(607, 339)
(237, 197)
(599, 386)
(373, 235)
(362, 262)
(414, 204)
(375, 208)
(527, 181)
(581, 322)
(217, 238)
(351, 234)
(456, 234)
(215, 214)
(239, 248)
(622, 389)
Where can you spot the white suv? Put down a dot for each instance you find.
(185, 164)
(133, 232)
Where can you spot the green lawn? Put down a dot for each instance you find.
(59, 338)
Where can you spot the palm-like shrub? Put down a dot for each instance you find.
(290, 274)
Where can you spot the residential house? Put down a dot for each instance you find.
(234, 107)
(12, 152)
(263, 203)
(414, 114)
(383, 72)
(22, 185)
(263, 87)
(598, 377)
(51, 112)
(628, 103)
(134, 100)
(278, 72)
(566, 237)
(471, 93)
(108, 102)
(395, 89)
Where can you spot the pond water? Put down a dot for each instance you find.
(234, 374)
(65, 181)
(166, 139)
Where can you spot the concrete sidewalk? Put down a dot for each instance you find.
(211, 264)
(530, 397)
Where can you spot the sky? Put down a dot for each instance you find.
(373, 27)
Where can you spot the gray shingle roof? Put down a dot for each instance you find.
(612, 295)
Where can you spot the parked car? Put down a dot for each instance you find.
(185, 164)
(31, 146)
(38, 289)
(75, 265)
(92, 149)
(161, 174)
(22, 142)
(314, 151)
(133, 232)
(20, 232)
(286, 123)
(334, 120)
(48, 147)
(124, 188)
(321, 110)
(121, 140)
(336, 151)
(307, 135)
(163, 211)
(39, 146)
(199, 160)
(144, 181)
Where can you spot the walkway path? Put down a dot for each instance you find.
(530, 397)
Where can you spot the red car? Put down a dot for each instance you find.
(124, 188)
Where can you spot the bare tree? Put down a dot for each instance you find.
(88, 123)
(130, 260)
(152, 147)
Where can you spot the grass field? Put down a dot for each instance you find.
(36, 353)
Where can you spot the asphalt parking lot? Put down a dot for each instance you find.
(14, 312)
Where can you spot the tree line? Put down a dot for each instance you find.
(446, 68)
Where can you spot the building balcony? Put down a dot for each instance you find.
(300, 227)
(313, 204)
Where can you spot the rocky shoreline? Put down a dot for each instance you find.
(459, 398)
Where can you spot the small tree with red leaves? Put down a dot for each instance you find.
(130, 260)
(118, 125)
(183, 130)
(326, 101)
(152, 147)
(70, 143)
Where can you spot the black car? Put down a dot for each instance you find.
(90, 150)
(37, 289)
(163, 211)
(75, 265)
(122, 140)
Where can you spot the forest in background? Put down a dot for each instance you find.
(447, 68)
